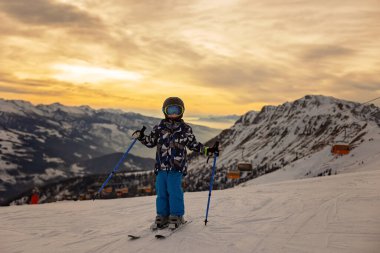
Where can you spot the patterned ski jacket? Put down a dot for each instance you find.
(172, 138)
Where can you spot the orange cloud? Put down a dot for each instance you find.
(224, 57)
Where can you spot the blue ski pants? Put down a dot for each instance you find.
(169, 199)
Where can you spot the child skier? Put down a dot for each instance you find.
(171, 137)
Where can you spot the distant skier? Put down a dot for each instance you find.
(171, 137)
(35, 197)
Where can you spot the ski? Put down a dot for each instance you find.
(134, 237)
(140, 234)
(144, 232)
(169, 232)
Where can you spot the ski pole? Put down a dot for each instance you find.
(211, 181)
(117, 165)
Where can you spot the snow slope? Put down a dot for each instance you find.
(326, 214)
(365, 157)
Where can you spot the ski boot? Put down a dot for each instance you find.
(175, 221)
(160, 222)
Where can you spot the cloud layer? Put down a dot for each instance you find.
(221, 57)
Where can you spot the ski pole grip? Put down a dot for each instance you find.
(142, 131)
(217, 148)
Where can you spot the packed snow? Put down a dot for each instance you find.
(337, 214)
(7, 141)
(75, 168)
(18, 107)
(365, 157)
(49, 132)
(49, 174)
(78, 155)
(52, 159)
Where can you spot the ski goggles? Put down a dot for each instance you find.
(173, 110)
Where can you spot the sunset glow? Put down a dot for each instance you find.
(89, 74)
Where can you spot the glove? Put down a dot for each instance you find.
(213, 150)
(139, 134)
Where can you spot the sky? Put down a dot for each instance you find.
(222, 57)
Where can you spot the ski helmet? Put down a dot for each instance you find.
(175, 105)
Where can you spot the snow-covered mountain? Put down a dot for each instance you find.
(50, 142)
(293, 139)
(338, 214)
(287, 135)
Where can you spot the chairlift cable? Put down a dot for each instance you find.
(371, 100)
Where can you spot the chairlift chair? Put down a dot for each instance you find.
(244, 166)
(341, 147)
(107, 189)
(233, 174)
(145, 189)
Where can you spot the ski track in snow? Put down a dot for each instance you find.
(327, 214)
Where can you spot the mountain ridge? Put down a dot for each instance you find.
(39, 143)
(278, 136)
